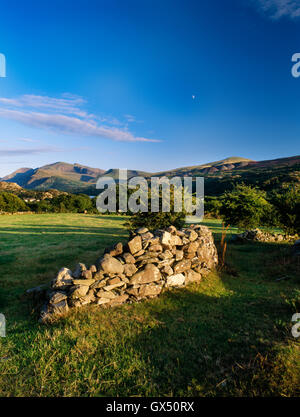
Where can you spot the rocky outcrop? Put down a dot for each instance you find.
(143, 268)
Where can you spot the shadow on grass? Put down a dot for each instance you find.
(49, 229)
(215, 345)
(203, 341)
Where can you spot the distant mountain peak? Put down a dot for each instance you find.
(75, 177)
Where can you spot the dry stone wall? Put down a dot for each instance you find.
(142, 268)
(258, 235)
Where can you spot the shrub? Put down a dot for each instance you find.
(10, 203)
(287, 204)
(246, 207)
(212, 206)
(157, 220)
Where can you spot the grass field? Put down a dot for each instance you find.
(229, 335)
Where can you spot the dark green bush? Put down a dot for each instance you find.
(10, 203)
(246, 207)
(287, 204)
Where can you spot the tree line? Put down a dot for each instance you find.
(244, 206)
(248, 207)
(65, 203)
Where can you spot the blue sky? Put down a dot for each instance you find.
(111, 83)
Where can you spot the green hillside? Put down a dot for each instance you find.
(219, 176)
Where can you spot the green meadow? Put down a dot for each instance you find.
(228, 335)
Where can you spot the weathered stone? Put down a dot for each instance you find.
(63, 280)
(154, 241)
(112, 286)
(166, 262)
(142, 230)
(135, 245)
(152, 260)
(167, 270)
(116, 250)
(203, 271)
(133, 291)
(155, 248)
(166, 255)
(88, 298)
(166, 239)
(191, 235)
(60, 308)
(57, 297)
(105, 294)
(192, 247)
(146, 256)
(149, 274)
(172, 230)
(128, 258)
(79, 291)
(113, 281)
(130, 269)
(103, 301)
(74, 302)
(149, 290)
(180, 233)
(111, 265)
(93, 269)
(99, 275)
(176, 241)
(45, 316)
(192, 276)
(84, 282)
(120, 259)
(78, 270)
(146, 236)
(87, 274)
(98, 284)
(119, 300)
(37, 291)
(208, 255)
(139, 253)
(182, 266)
(179, 255)
(175, 280)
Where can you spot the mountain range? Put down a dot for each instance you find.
(219, 175)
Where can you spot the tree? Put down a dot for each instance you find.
(160, 219)
(246, 207)
(10, 203)
(72, 203)
(212, 206)
(287, 204)
(43, 206)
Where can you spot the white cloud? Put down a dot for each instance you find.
(276, 9)
(34, 151)
(64, 115)
(28, 140)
